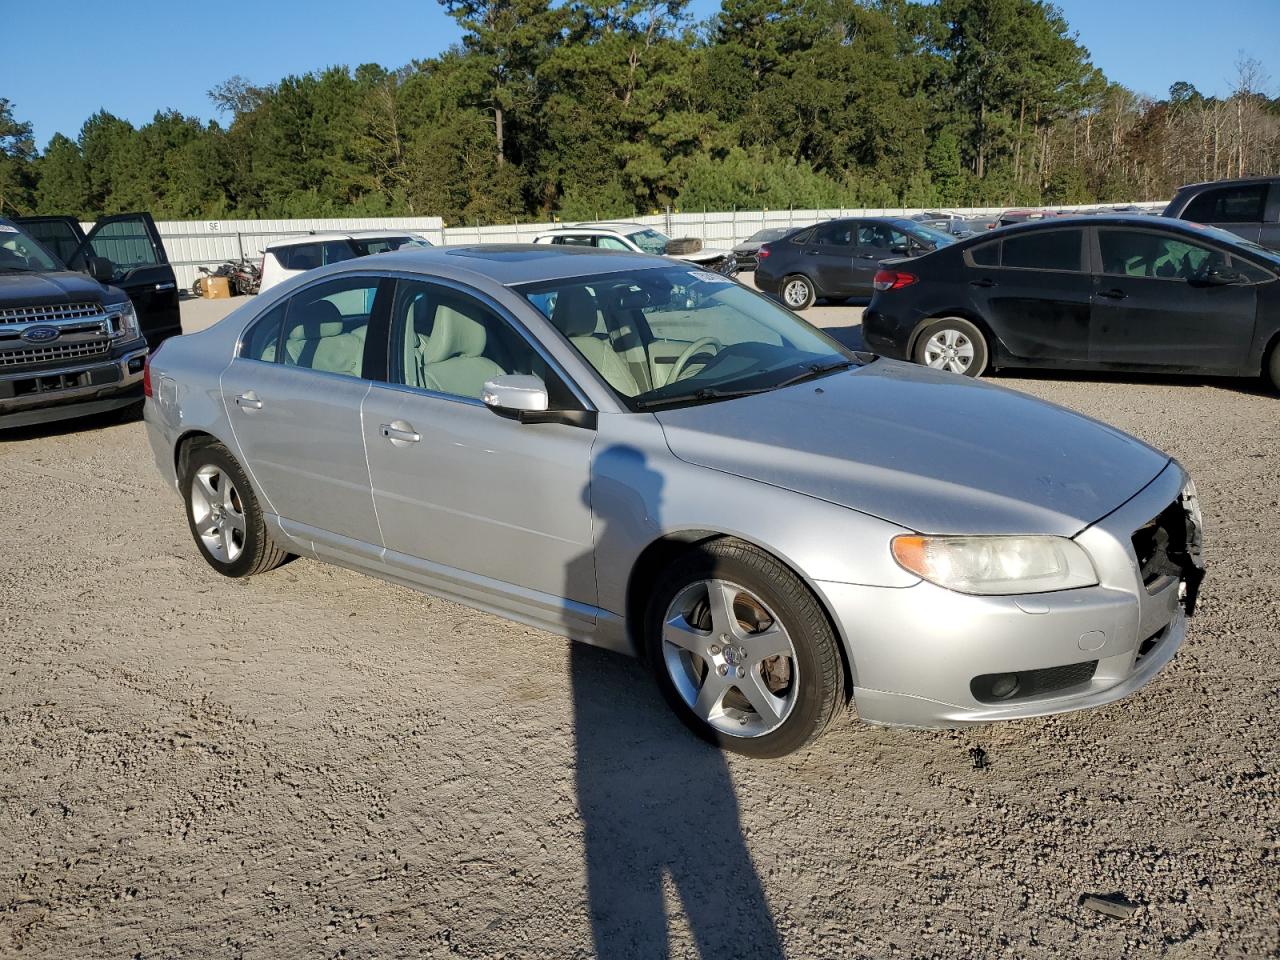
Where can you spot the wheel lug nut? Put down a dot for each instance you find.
(742, 672)
(715, 649)
(723, 669)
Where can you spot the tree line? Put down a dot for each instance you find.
(605, 108)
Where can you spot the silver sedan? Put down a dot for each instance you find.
(651, 458)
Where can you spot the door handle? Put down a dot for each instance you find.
(1113, 294)
(985, 283)
(811, 253)
(866, 256)
(248, 401)
(405, 434)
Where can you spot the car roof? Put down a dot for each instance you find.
(508, 264)
(1241, 181)
(1139, 220)
(321, 236)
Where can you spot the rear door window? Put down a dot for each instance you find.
(985, 254)
(262, 340)
(1044, 250)
(326, 325)
(840, 233)
(1243, 204)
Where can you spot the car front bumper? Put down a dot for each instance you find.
(924, 656)
(80, 389)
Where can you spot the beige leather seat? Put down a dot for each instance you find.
(318, 342)
(453, 360)
(577, 316)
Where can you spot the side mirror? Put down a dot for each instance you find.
(900, 248)
(1221, 278)
(524, 397)
(100, 268)
(514, 394)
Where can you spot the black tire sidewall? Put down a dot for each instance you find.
(981, 353)
(811, 711)
(254, 528)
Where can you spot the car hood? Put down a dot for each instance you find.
(37, 289)
(931, 451)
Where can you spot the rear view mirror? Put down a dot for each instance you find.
(100, 268)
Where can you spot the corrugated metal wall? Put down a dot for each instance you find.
(193, 243)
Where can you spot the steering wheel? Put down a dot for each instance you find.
(690, 352)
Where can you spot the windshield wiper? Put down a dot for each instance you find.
(814, 370)
(707, 394)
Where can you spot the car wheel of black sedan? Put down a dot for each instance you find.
(798, 292)
(952, 344)
(743, 651)
(1273, 366)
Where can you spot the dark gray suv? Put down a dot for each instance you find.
(1249, 208)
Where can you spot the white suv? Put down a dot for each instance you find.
(634, 237)
(283, 259)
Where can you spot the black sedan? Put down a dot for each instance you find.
(1096, 293)
(838, 259)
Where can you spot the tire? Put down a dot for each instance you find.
(683, 245)
(238, 544)
(797, 292)
(788, 661)
(197, 288)
(952, 344)
(1272, 367)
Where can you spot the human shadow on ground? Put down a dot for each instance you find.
(657, 804)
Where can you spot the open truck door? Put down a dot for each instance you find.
(139, 265)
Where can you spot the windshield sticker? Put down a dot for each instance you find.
(710, 277)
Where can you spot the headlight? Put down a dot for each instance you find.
(996, 565)
(126, 319)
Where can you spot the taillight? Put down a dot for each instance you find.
(762, 252)
(146, 377)
(893, 280)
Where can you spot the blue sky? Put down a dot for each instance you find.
(65, 60)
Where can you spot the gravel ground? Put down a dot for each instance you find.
(316, 764)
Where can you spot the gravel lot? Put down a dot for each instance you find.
(316, 764)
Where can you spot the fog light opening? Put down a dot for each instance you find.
(1004, 686)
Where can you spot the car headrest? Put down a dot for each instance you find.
(319, 319)
(633, 298)
(575, 314)
(454, 335)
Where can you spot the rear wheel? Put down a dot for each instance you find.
(1272, 368)
(225, 518)
(743, 651)
(798, 292)
(952, 344)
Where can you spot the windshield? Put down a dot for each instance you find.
(676, 335)
(922, 231)
(650, 240)
(369, 245)
(20, 253)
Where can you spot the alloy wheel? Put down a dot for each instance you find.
(796, 293)
(730, 659)
(218, 512)
(949, 350)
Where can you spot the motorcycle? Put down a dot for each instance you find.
(243, 277)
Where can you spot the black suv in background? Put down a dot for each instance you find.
(74, 342)
(839, 258)
(1248, 208)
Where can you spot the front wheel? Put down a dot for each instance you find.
(225, 518)
(798, 292)
(743, 651)
(952, 344)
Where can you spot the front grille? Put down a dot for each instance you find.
(1006, 687)
(49, 313)
(58, 351)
